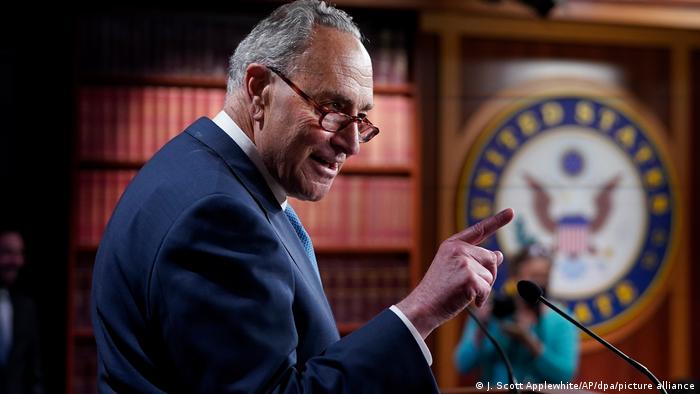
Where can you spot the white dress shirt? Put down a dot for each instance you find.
(248, 147)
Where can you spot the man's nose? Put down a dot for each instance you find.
(348, 139)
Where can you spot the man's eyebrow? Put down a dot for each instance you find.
(341, 99)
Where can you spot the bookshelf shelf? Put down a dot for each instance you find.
(204, 81)
(405, 89)
(86, 249)
(349, 169)
(83, 334)
(183, 81)
(397, 170)
(320, 249)
(347, 328)
(362, 249)
(90, 164)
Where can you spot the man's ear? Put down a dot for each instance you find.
(257, 81)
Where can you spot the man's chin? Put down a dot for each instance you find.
(314, 193)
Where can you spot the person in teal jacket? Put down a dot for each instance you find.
(541, 345)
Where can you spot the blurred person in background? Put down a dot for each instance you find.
(20, 366)
(540, 344)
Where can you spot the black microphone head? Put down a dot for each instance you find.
(529, 291)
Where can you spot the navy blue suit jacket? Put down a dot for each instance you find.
(201, 285)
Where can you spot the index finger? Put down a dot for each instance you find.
(481, 230)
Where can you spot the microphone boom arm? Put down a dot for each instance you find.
(641, 368)
(513, 381)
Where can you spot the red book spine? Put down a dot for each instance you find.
(216, 101)
(175, 107)
(134, 130)
(104, 124)
(147, 139)
(120, 148)
(83, 122)
(161, 118)
(406, 114)
(99, 193)
(84, 208)
(200, 101)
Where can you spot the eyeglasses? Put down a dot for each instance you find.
(330, 120)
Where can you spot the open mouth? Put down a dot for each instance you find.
(333, 165)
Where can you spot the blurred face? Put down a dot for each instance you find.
(11, 257)
(535, 269)
(336, 71)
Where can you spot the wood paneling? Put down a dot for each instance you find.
(491, 65)
(695, 213)
(648, 345)
(480, 58)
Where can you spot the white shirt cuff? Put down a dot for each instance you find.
(415, 333)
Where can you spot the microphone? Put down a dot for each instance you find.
(511, 376)
(533, 293)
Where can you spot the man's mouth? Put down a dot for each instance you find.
(333, 165)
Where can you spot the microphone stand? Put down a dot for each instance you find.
(532, 293)
(511, 376)
(641, 368)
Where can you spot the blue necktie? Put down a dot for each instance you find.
(303, 237)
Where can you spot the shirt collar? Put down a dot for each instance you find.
(224, 121)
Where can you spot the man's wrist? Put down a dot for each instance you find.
(416, 335)
(419, 315)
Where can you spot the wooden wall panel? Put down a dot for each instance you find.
(695, 213)
(481, 57)
(648, 344)
(490, 65)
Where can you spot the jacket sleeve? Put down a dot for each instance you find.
(221, 293)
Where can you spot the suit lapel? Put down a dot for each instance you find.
(245, 171)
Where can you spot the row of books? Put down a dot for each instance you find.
(129, 124)
(360, 211)
(200, 45)
(126, 124)
(394, 145)
(359, 288)
(390, 57)
(84, 372)
(98, 193)
(82, 285)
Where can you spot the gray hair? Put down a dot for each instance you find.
(279, 39)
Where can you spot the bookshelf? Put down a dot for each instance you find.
(140, 80)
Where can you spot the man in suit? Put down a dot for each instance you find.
(20, 367)
(205, 280)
